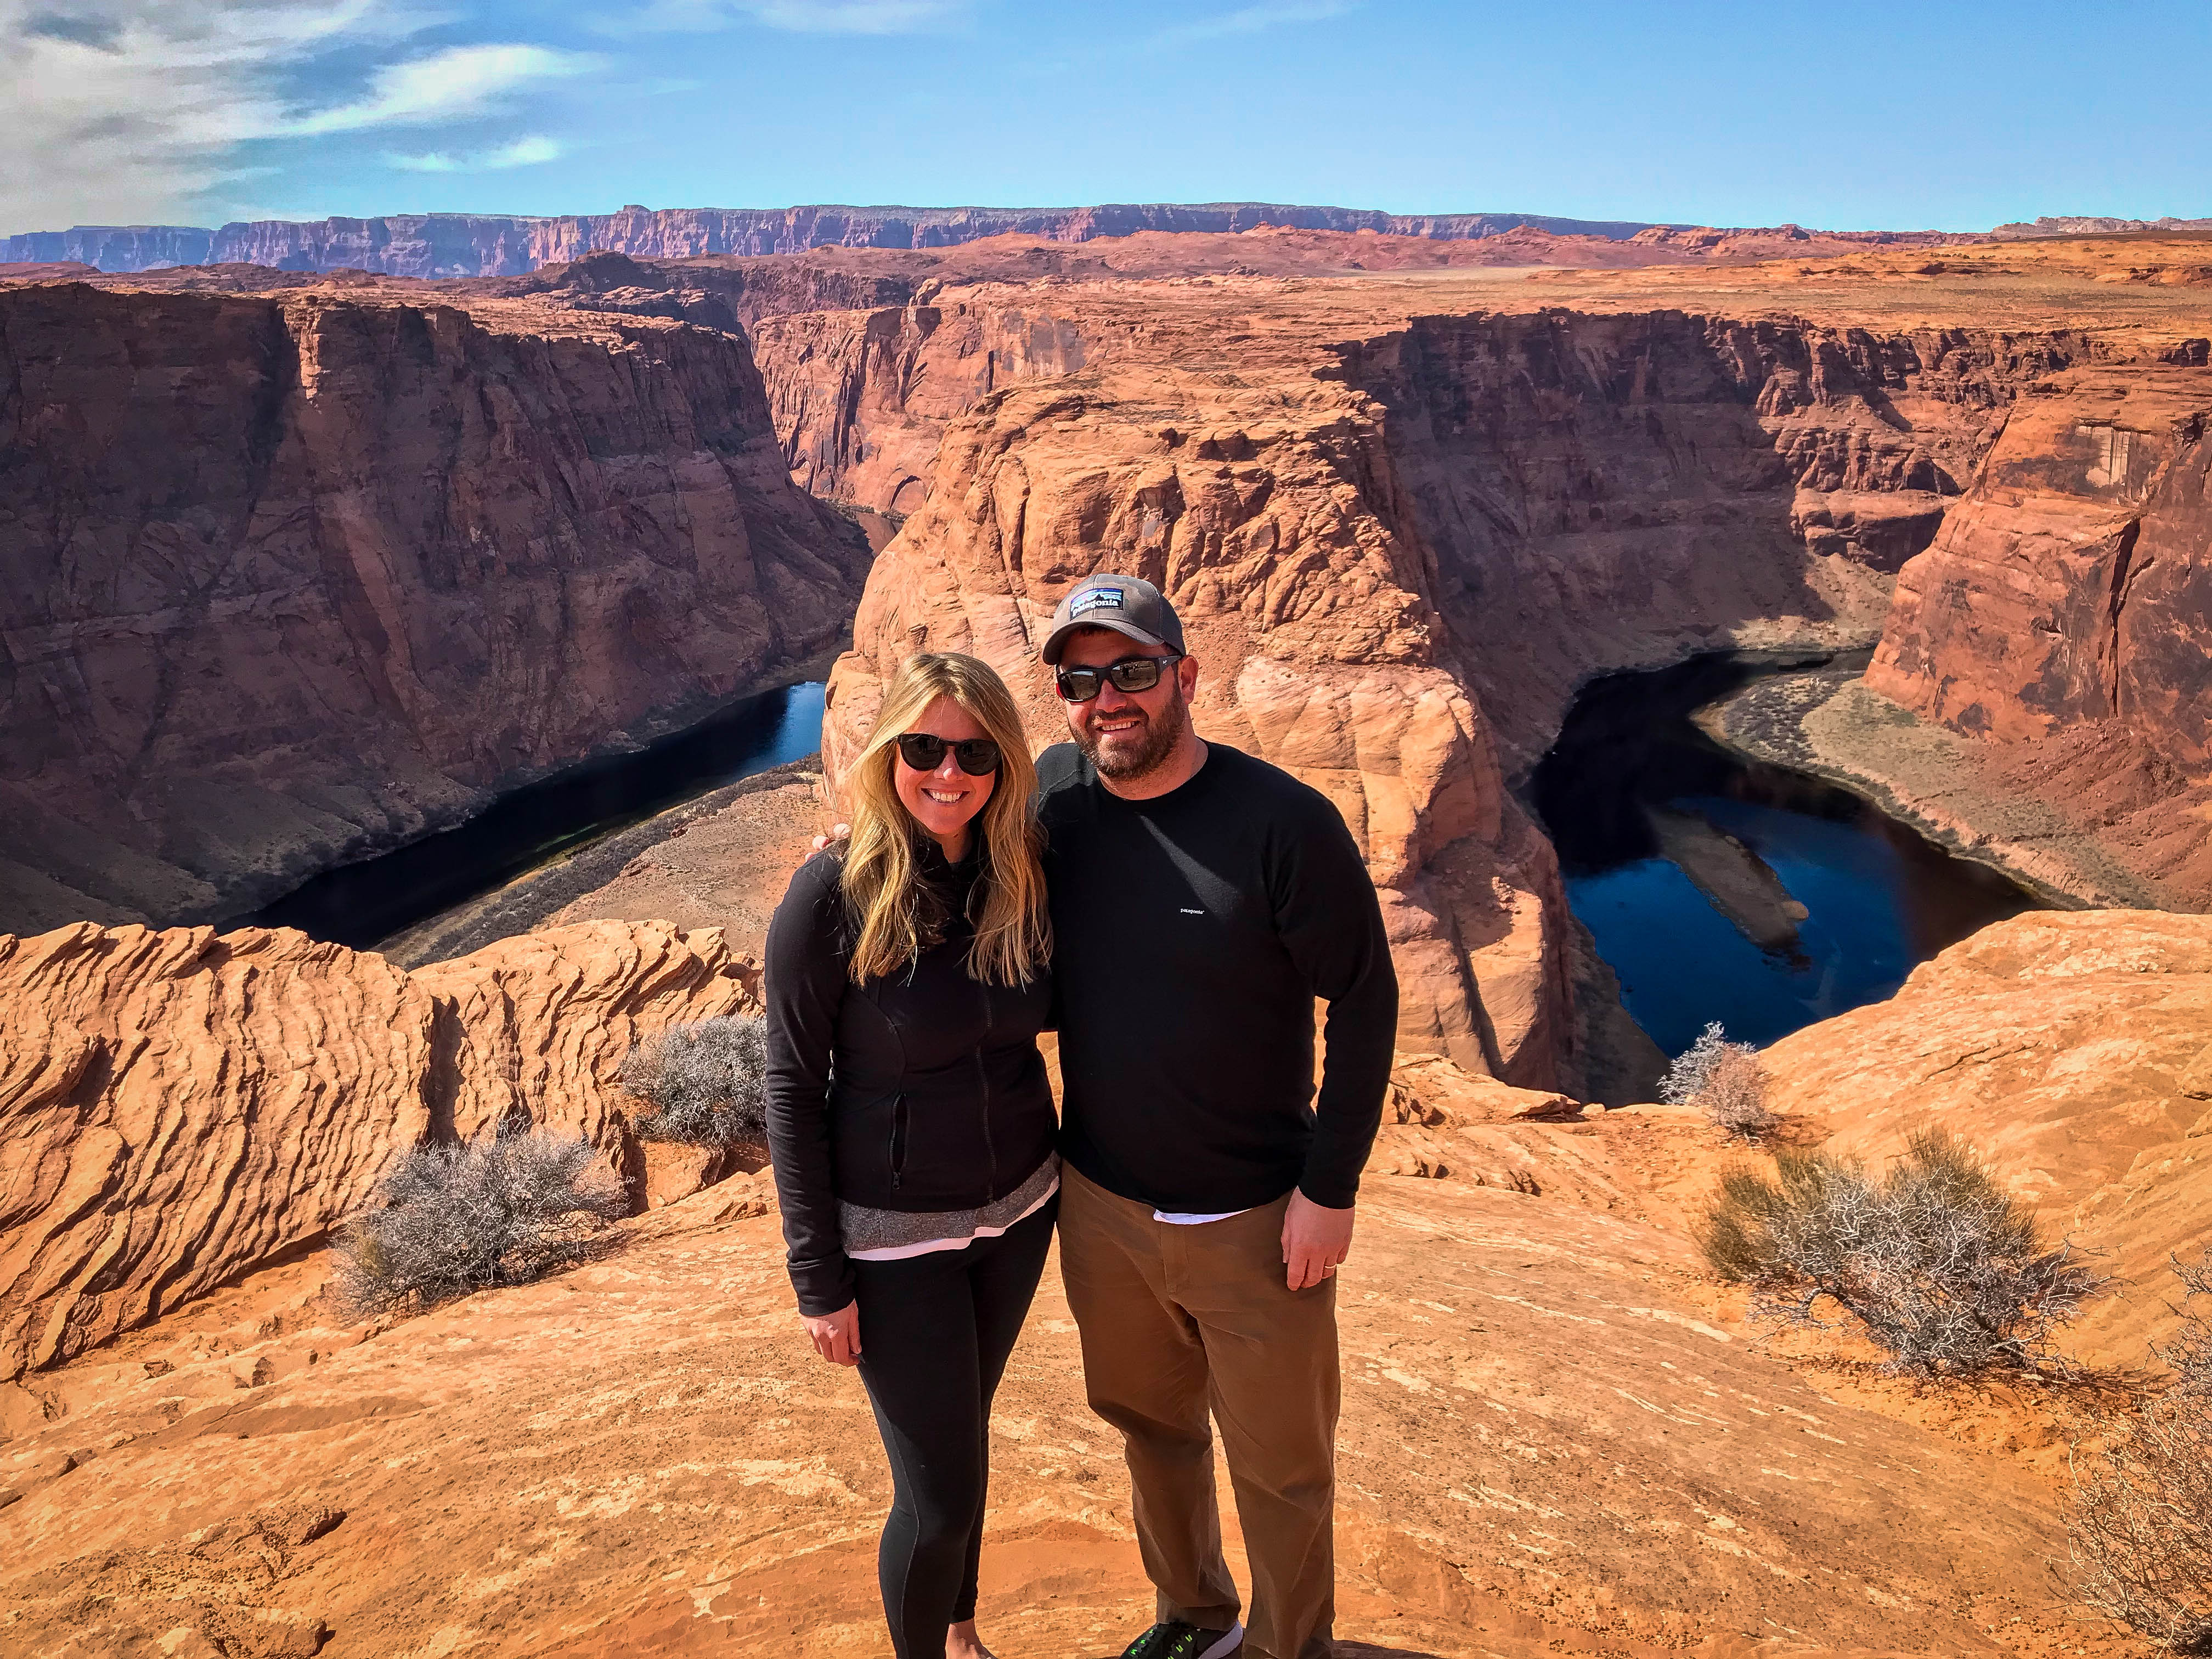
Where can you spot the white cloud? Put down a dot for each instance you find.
(444, 85)
(522, 153)
(1254, 19)
(797, 16)
(129, 111)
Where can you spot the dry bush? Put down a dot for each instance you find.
(2141, 1518)
(1934, 1261)
(503, 1210)
(1725, 1080)
(705, 1083)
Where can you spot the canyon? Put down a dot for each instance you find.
(312, 562)
(1409, 509)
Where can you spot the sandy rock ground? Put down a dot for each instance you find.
(1559, 1436)
(1552, 1443)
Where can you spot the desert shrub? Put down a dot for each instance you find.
(1725, 1080)
(2140, 1517)
(705, 1083)
(502, 1210)
(1933, 1261)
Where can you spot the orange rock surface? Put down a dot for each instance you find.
(1552, 1443)
(183, 1107)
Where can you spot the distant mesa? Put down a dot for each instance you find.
(2082, 225)
(506, 245)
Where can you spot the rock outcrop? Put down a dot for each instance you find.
(1271, 520)
(286, 579)
(183, 1107)
(2074, 1051)
(2073, 583)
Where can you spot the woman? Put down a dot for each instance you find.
(909, 1116)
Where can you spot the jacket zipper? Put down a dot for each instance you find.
(899, 1140)
(983, 1075)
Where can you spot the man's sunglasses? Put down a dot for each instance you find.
(1130, 674)
(977, 756)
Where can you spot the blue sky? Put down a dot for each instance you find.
(1948, 115)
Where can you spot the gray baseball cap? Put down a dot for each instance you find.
(1128, 604)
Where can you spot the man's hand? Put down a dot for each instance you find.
(1315, 1239)
(837, 832)
(837, 1337)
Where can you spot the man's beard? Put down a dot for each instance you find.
(1132, 756)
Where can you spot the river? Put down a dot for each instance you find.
(1721, 888)
(1716, 886)
(361, 904)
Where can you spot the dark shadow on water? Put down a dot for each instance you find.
(358, 904)
(1719, 887)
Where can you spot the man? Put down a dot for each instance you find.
(1201, 901)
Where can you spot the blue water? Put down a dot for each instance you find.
(1879, 898)
(359, 904)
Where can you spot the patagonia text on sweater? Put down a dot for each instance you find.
(1192, 933)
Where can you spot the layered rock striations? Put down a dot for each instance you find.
(288, 578)
(184, 1107)
(1506, 501)
(2072, 585)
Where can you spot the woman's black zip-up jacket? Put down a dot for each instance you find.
(920, 1092)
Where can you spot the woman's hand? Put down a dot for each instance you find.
(836, 1336)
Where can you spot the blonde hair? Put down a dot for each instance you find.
(883, 883)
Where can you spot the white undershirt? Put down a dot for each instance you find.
(1186, 1218)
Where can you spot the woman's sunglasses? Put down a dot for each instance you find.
(977, 756)
(1130, 674)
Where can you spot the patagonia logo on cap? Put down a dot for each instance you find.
(1094, 599)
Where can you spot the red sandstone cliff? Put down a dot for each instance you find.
(2064, 615)
(1606, 491)
(286, 579)
(1594, 489)
(1372, 517)
(2073, 585)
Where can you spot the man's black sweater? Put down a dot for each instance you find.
(1192, 933)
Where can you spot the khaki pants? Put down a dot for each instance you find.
(1174, 1321)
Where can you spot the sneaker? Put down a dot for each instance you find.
(1177, 1640)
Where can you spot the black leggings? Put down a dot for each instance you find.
(935, 1332)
